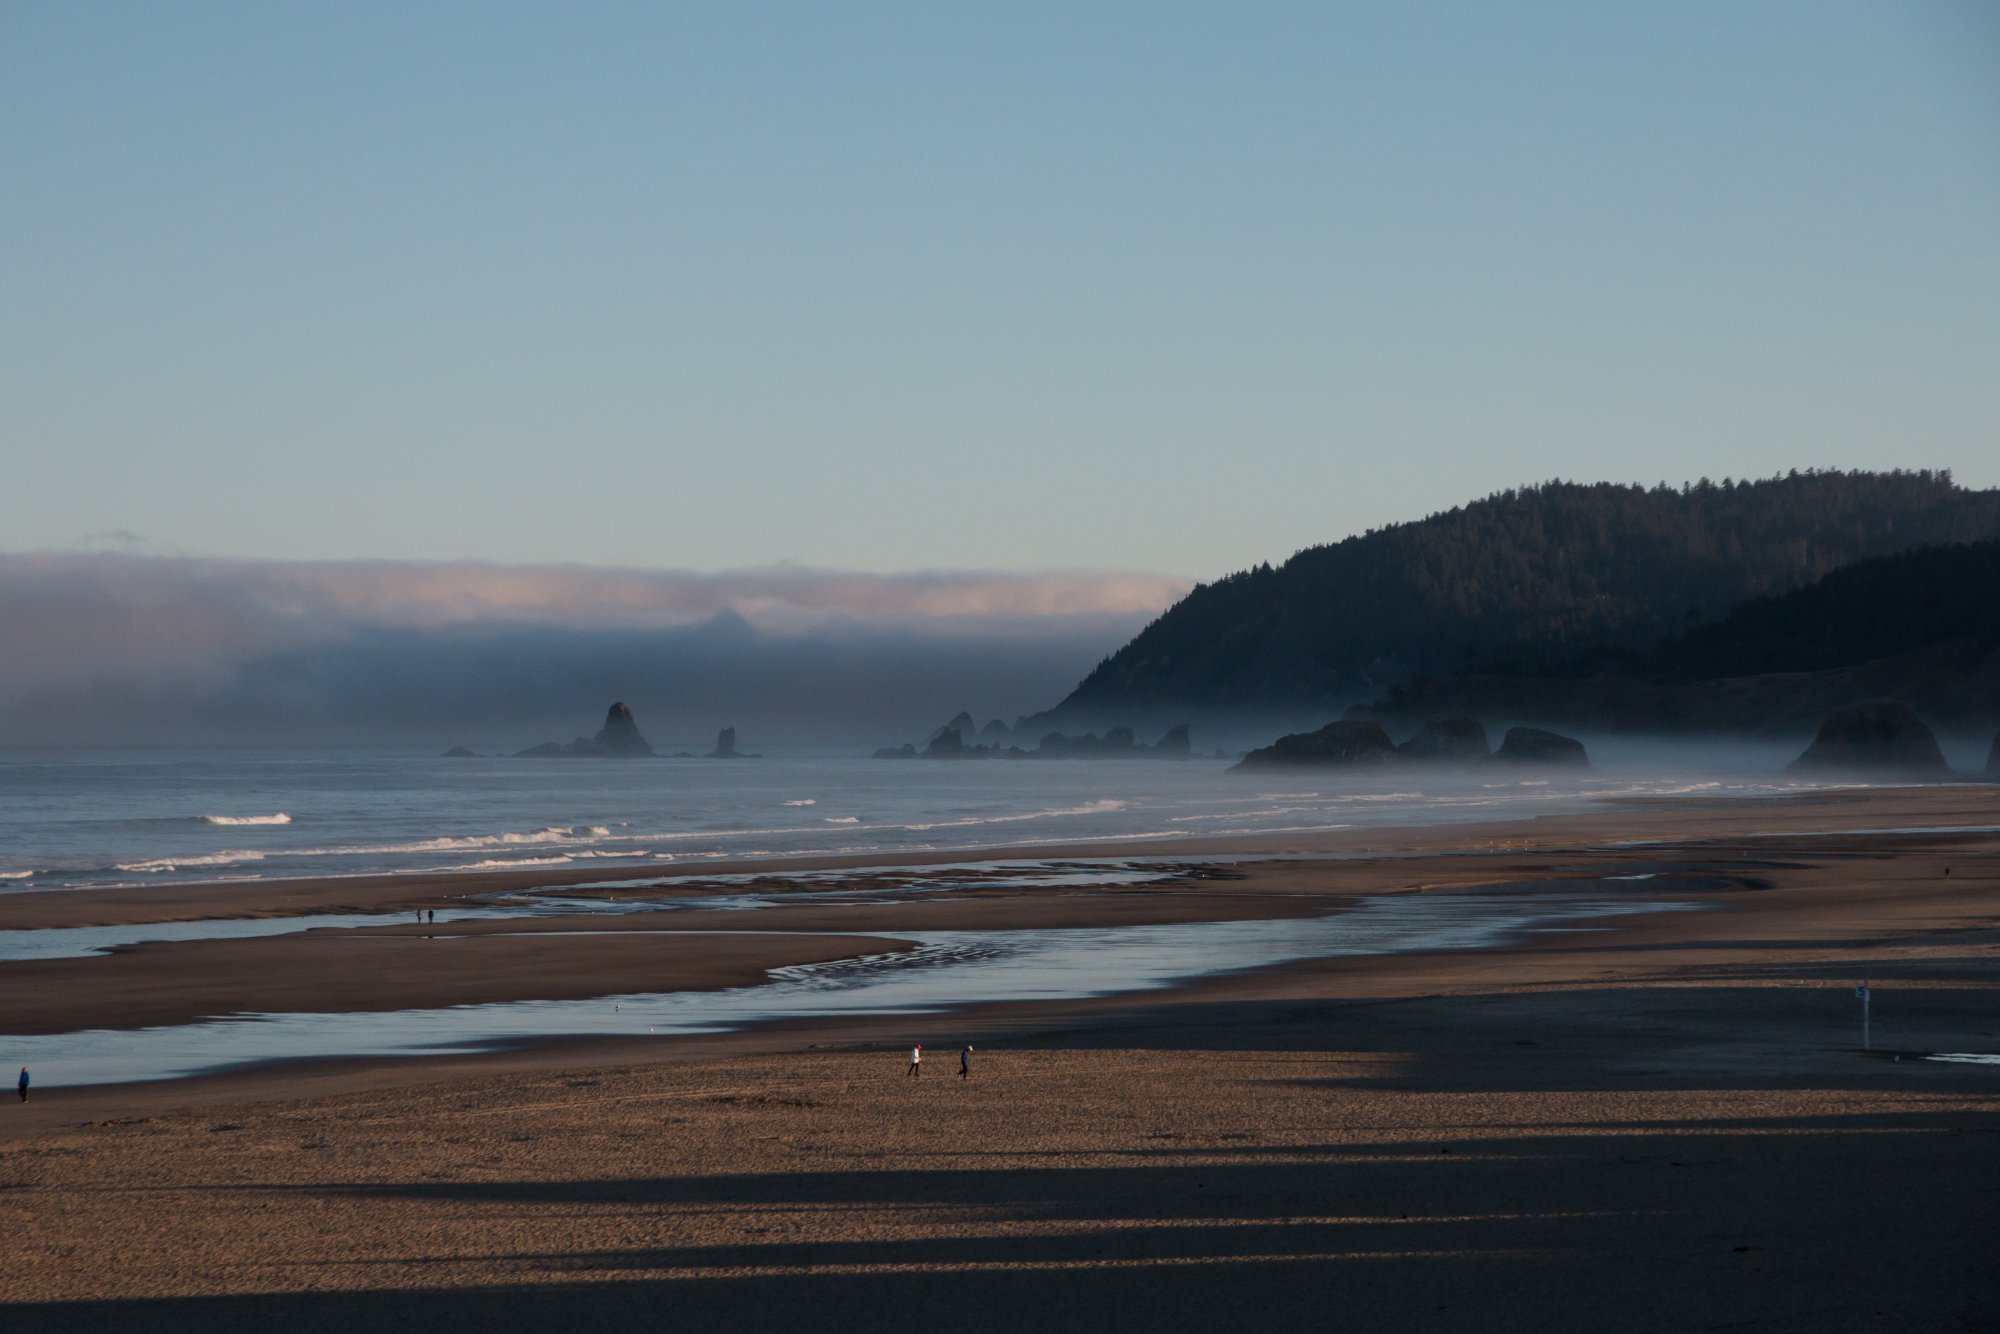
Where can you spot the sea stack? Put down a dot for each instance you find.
(620, 734)
(619, 738)
(1532, 745)
(725, 746)
(1880, 736)
(1337, 745)
(962, 724)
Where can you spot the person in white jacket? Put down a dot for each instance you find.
(917, 1059)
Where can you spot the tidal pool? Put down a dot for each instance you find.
(75, 942)
(945, 970)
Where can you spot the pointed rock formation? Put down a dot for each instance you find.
(725, 746)
(1881, 736)
(620, 734)
(948, 744)
(962, 724)
(1174, 745)
(619, 738)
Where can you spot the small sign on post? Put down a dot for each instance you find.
(1861, 992)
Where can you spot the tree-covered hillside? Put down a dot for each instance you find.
(1862, 612)
(1520, 581)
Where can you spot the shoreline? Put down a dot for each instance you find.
(1550, 1133)
(1803, 813)
(544, 958)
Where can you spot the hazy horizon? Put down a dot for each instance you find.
(446, 371)
(112, 648)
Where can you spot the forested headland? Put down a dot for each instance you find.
(1657, 584)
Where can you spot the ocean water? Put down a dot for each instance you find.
(94, 818)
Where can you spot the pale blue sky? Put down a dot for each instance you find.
(882, 287)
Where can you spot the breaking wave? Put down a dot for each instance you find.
(1108, 806)
(159, 864)
(279, 818)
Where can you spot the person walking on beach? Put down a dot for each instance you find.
(965, 1061)
(917, 1060)
(23, 1083)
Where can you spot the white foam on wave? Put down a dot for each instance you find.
(1243, 815)
(576, 833)
(505, 863)
(803, 801)
(841, 819)
(1107, 806)
(15, 875)
(279, 818)
(175, 863)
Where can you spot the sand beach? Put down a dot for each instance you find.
(1660, 1119)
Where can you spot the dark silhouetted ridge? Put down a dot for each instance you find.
(1521, 582)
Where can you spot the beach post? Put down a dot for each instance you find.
(1862, 992)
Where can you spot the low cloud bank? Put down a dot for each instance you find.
(112, 648)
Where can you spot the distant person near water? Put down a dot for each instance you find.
(916, 1060)
(22, 1084)
(965, 1061)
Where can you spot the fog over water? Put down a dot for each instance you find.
(114, 649)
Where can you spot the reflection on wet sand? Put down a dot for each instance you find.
(946, 969)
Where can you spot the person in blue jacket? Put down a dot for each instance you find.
(22, 1083)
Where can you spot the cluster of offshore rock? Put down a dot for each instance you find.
(618, 739)
(1362, 743)
(964, 739)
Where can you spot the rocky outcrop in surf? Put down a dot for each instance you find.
(1880, 737)
(619, 738)
(1532, 745)
(725, 747)
(1343, 744)
(1361, 742)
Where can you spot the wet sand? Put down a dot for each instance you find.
(1663, 1125)
(395, 969)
